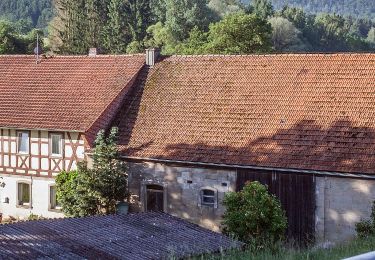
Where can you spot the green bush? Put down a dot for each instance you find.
(95, 190)
(33, 217)
(254, 216)
(366, 228)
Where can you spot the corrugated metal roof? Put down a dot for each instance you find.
(134, 236)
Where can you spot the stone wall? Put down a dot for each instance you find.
(340, 204)
(182, 186)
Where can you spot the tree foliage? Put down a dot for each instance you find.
(12, 42)
(95, 190)
(196, 27)
(263, 8)
(33, 13)
(240, 34)
(366, 228)
(254, 216)
(285, 36)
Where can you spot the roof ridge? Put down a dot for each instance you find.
(72, 56)
(275, 54)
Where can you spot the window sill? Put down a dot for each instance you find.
(23, 154)
(208, 205)
(55, 156)
(23, 206)
(55, 210)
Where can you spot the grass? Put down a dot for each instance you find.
(352, 248)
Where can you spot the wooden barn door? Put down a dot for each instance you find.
(155, 198)
(297, 195)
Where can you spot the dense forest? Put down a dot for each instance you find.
(186, 27)
(28, 13)
(356, 8)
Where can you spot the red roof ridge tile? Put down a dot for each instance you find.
(71, 56)
(275, 54)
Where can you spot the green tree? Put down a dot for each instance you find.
(332, 32)
(76, 27)
(115, 34)
(371, 36)
(96, 190)
(254, 216)
(139, 18)
(285, 36)
(197, 43)
(11, 42)
(182, 16)
(240, 34)
(263, 8)
(225, 7)
(159, 36)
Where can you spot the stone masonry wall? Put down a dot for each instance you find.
(340, 204)
(183, 186)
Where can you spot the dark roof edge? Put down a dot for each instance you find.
(286, 170)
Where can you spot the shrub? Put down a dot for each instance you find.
(254, 216)
(366, 228)
(33, 217)
(96, 190)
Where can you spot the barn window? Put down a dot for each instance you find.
(24, 194)
(208, 197)
(56, 144)
(23, 142)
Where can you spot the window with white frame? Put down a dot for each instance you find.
(23, 142)
(56, 144)
(24, 194)
(53, 202)
(208, 197)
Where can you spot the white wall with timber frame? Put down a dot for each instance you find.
(37, 167)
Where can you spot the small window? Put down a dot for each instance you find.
(56, 144)
(23, 142)
(54, 203)
(208, 197)
(23, 194)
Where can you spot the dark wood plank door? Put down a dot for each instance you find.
(297, 196)
(155, 198)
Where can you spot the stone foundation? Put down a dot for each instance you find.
(182, 187)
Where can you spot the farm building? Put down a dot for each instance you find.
(195, 127)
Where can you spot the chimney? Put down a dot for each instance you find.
(151, 56)
(93, 52)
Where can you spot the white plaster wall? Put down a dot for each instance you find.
(340, 204)
(40, 197)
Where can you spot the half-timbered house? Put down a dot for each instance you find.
(50, 112)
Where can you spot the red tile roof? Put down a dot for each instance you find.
(63, 92)
(291, 111)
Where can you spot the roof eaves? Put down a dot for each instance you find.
(289, 170)
(42, 129)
